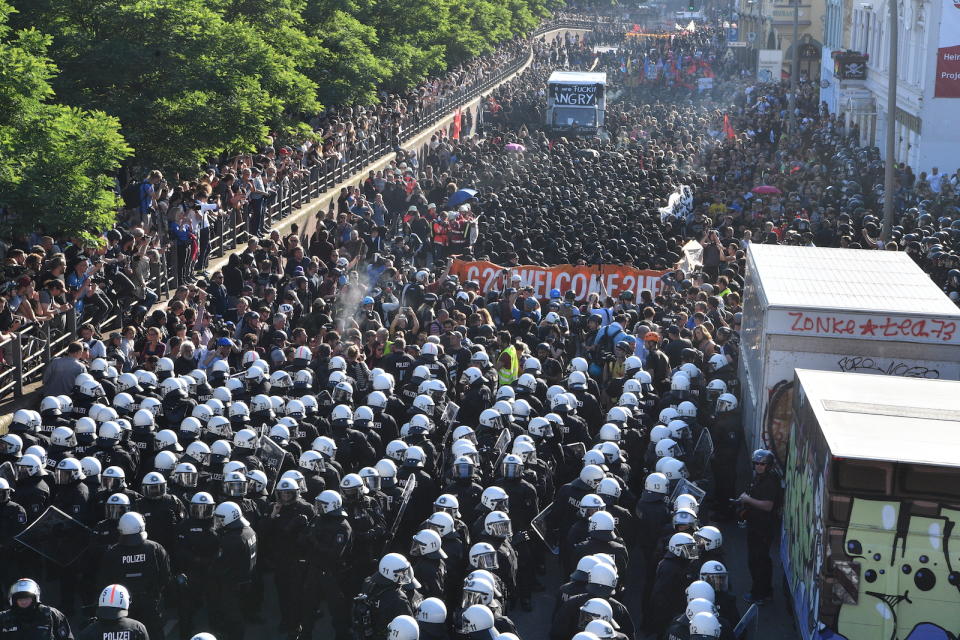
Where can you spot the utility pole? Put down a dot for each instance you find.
(795, 68)
(889, 173)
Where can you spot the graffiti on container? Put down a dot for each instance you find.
(892, 368)
(933, 329)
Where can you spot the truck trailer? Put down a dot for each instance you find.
(870, 536)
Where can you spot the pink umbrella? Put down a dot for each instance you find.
(513, 146)
(766, 190)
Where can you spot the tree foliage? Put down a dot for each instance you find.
(55, 160)
(193, 79)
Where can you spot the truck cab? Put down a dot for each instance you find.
(576, 102)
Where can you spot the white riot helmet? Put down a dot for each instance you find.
(132, 524)
(199, 451)
(220, 427)
(495, 498)
(235, 483)
(295, 409)
(727, 402)
(114, 602)
(325, 446)
(246, 439)
(29, 466)
(526, 382)
(591, 475)
(531, 365)
(476, 618)
(709, 538)
(91, 467)
(633, 386)
(667, 414)
(687, 409)
(329, 502)
(425, 542)
(447, 503)
(656, 483)
(432, 611)
(311, 461)
(472, 375)
(602, 521)
(600, 629)
(672, 468)
(700, 589)
(68, 470)
(383, 382)
(165, 461)
(704, 625)
(680, 382)
(699, 605)
(716, 362)
(668, 447)
(11, 444)
(497, 524)
(686, 501)
(579, 364)
(154, 485)
(442, 522)
(610, 432)
(185, 474)
(577, 381)
(595, 609)
(590, 504)
(482, 555)
(692, 371)
(714, 574)
(403, 628)
(716, 388)
(679, 430)
(260, 403)
(63, 437)
(396, 568)
(201, 506)
(228, 513)
(683, 545)
(609, 487)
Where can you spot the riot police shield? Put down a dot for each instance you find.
(57, 537)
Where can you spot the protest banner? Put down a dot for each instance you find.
(580, 278)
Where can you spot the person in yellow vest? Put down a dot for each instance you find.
(508, 360)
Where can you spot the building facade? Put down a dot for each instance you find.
(926, 122)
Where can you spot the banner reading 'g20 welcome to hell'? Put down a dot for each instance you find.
(615, 278)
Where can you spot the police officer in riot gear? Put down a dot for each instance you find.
(759, 504)
(232, 572)
(29, 619)
(388, 593)
(112, 619)
(329, 544)
(144, 568)
(195, 551)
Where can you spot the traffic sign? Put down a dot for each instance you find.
(735, 44)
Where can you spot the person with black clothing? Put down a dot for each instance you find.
(112, 620)
(759, 506)
(232, 572)
(29, 619)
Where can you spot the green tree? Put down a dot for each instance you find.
(55, 161)
(185, 83)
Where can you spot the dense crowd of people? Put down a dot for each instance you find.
(339, 419)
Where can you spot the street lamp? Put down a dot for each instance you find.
(889, 178)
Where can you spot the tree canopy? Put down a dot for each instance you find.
(192, 79)
(55, 160)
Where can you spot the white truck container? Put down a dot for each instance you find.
(835, 310)
(576, 101)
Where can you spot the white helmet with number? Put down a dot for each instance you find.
(610, 432)
(497, 524)
(403, 628)
(480, 359)
(715, 388)
(715, 574)
(226, 514)
(295, 409)
(704, 625)
(68, 470)
(326, 446)
(132, 524)
(656, 483)
(687, 409)
(600, 629)
(311, 461)
(220, 427)
(668, 414)
(425, 404)
(699, 605)
(63, 437)
(709, 537)
(329, 501)
(609, 487)
(425, 542)
(432, 611)
(396, 568)
(692, 370)
(668, 447)
(476, 618)
(490, 418)
(114, 602)
(672, 468)
(602, 521)
(591, 475)
(472, 375)
(495, 498)
(579, 364)
(260, 403)
(716, 362)
(382, 382)
(164, 461)
(246, 439)
(633, 386)
(577, 381)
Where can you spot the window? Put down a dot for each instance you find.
(930, 481)
(862, 476)
(567, 117)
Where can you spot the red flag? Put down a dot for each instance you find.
(456, 125)
(727, 127)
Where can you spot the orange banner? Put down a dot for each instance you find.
(584, 280)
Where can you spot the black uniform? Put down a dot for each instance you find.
(103, 629)
(379, 602)
(230, 578)
(33, 494)
(283, 530)
(36, 622)
(669, 591)
(761, 528)
(162, 514)
(143, 567)
(329, 542)
(195, 551)
(13, 520)
(565, 622)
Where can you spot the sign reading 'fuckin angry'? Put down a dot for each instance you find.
(579, 95)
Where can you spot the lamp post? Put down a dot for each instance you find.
(889, 177)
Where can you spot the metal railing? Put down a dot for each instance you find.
(27, 351)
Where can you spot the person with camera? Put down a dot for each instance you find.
(758, 506)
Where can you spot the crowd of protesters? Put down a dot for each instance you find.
(339, 415)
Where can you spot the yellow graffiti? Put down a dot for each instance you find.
(906, 584)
